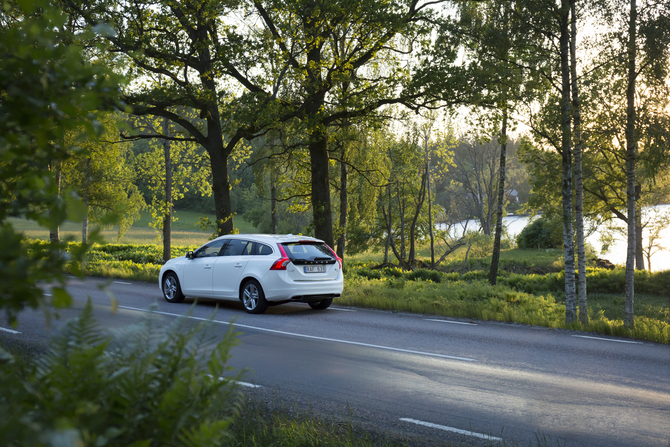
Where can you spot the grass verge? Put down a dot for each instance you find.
(261, 424)
(535, 299)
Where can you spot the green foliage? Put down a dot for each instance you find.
(542, 232)
(188, 167)
(49, 88)
(598, 280)
(482, 244)
(425, 275)
(370, 274)
(527, 299)
(102, 175)
(148, 385)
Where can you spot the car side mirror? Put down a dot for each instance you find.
(189, 255)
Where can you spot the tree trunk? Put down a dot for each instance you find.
(415, 218)
(323, 217)
(566, 153)
(218, 156)
(221, 189)
(484, 220)
(389, 227)
(318, 136)
(579, 188)
(430, 204)
(401, 213)
(273, 201)
(639, 251)
(167, 219)
(495, 258)
(649, 262)
(631, 153)
(54, 233)
(84, 226)
(343, 205)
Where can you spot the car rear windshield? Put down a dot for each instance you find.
(302, 252)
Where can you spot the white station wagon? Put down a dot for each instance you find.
(258, 269)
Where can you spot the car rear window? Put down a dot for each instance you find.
(308, 251)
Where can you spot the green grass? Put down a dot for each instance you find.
(262, 424)
(547, 260)
(536, 299)
(184, 230)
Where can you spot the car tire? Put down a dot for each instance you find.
(320, 305)
(253, 298)
(171, 288)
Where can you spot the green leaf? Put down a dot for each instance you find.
(61, 298)
(76, 210)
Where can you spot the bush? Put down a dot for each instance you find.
(541, 233)
(425, 275)
(370, 274)
(482, 244)
(145, 386)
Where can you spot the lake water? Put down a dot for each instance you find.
(617, 252)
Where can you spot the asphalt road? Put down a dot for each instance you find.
(436, 378)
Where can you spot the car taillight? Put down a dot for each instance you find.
(339, 260)
(281, 263)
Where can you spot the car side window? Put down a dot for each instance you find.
(235, 247)
(249, 249)
(210, 250)
(263, 249)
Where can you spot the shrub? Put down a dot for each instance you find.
(541, 233)
(482, 244)
(370, 274)
(424, 275)
(145, 386)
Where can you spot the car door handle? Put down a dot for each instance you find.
(238, 265)
(208, 266)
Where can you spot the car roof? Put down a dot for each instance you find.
(270, 238)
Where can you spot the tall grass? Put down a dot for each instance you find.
(540, 301)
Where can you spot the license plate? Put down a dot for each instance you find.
(315, 269)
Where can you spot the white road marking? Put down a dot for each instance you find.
(609, 339)
(313, 337)
(343, 310)
(452, 322)
(247, 384)
(121, 282)
(47, 294)
(11, 331)
(452, 429)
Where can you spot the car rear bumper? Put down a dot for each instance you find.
(314, 298)
(281, 288)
